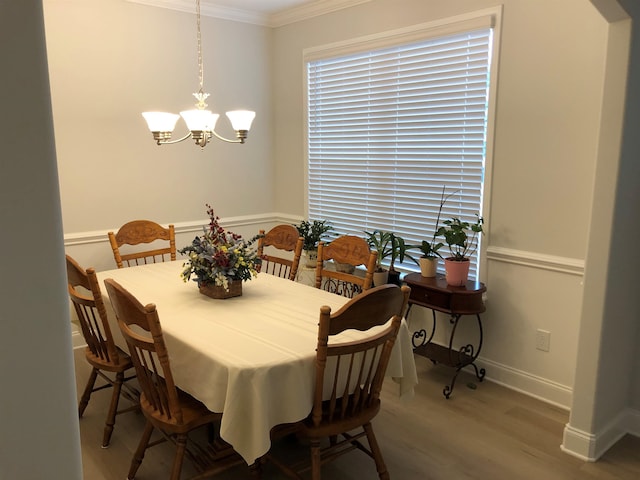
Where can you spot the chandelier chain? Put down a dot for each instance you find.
(200, 68)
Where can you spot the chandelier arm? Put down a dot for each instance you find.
(239, 133)
(169, 142)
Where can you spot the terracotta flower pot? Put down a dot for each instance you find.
(456, 271)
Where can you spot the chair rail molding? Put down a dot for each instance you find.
(100, 236)
(571, 266)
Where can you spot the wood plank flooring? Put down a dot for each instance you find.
(486, 433)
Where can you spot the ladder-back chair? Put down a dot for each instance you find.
(168, 409)
(101, 352)
(142, 231)
(285, 238)
(345, 249)
(348, 379)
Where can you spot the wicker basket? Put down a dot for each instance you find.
(215, 291)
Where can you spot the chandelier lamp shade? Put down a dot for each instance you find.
(200, 121)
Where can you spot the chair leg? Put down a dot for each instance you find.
(181, 446)
(113, 409)
(315, 459)
(88, 389)
(377, 453)
(142, 447)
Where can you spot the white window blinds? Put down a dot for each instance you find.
(388, 129)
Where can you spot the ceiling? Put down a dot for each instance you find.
(272, 13)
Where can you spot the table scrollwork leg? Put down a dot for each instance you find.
(419, 338)
(421, 335)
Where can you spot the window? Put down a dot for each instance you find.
(390, 127)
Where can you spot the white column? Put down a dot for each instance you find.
(39, 437)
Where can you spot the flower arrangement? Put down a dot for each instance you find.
(219, 256)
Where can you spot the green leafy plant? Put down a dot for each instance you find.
(313, 232)
(430, 249)
(461, 236)
(399, 251)
(380, 241)
(388, 245)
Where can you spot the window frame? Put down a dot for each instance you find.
(487, 18)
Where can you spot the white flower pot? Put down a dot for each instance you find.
(311, 258)
(428, 266)
(380, 278)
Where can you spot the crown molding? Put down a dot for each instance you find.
(310, 10)
(278, 19)
(208, 10)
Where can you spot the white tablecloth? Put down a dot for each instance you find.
(250, 357)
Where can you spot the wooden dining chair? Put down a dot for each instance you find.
(168, 409)
(282, 237)
(348, 380)
(345, 249)
(105, 358)
(142, 231)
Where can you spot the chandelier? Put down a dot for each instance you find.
(201, 122)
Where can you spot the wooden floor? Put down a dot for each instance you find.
(483, 433)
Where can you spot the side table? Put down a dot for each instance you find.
(435, 294)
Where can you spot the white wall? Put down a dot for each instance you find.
(606, 381)
(39, 433)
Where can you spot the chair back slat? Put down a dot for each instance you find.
(140, 327)
(282, 237)
(351, 250)
(142, 232)
(349, 375)
(85, 295)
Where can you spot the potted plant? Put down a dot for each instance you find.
(460, 237)
(399, 250)
(388, 245)
(380, 241)
(312, 232)
(429, 260)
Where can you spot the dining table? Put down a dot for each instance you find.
(251, 357)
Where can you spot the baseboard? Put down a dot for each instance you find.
(590, 447)
(77, 340)
(531, 385)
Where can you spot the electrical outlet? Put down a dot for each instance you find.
(543, 340)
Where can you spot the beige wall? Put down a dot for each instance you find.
(109, 60)
(547, 117)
